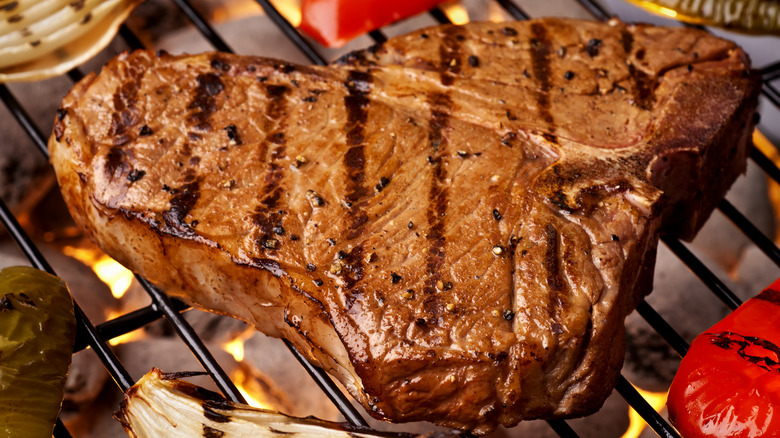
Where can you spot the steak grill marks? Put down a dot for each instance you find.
(204, 104)
(266, 217)
(643, 84)
(441, 106)
(450, 54)
(356, 103)
(540, 59)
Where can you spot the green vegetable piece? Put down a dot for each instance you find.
(37, 332)
(746, 16)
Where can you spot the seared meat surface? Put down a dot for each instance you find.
(455, 224)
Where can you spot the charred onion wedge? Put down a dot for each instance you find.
(45, 38)
(37, 332)
(162, 405)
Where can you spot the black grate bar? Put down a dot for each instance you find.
(595, 9)
(60, 431)
(440, 16)
(329, 388)
(513, 10)
(701, 271)
(764, 243)
(378, 36)
(85, 327)
(771, 93)
(75, 75)
(659, 324)
(130, 321)
(640, 405)
(193, 341)
(292, 33)
(130, 38)
(562, 428)
(203, 26)
(771, 71)
(23, 119)
(765, 163)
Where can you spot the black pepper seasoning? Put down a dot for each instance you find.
(569, 75)
(135, 175)
(395, 278)
(473, 61)
(509, 315)
(496, 214)
(593, 47)
(311, 267)
(145, 131)
(318, 282)
(278, 230)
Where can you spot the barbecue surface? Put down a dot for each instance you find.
(455, 223)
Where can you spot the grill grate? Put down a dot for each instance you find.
(170, 309)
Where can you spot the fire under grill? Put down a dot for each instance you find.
(97, 336)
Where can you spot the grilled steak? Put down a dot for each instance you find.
(455, 223)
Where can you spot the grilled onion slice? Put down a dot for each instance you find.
(45, 38)
(161, 405)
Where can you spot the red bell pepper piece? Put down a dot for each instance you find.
(728, 384)
(334, 22)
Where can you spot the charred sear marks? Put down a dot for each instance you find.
(351, 267)
(210, 432)
(771, 295)
(183, 200)
(356, 103)
(204, 103)
(752, 349)
(266, 216)
(211, 411)
(555, 280)
(125, 115)
(436, 214)
(450, 55)
(644, 85)
(116, 163)
(540, 56)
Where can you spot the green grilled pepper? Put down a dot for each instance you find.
(37, 332)
(747, 16)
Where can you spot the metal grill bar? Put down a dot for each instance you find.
(515, 11)
(643, 408)
(704, 273)
(203, 26)
(292, 33)
(764, 243)
(765, 163)
(663, 328)
(84, 326)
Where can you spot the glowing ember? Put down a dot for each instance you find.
(251, 389)
(455, 12)
(236, 348)
(290, 9)
(636, 424)
(116, 276)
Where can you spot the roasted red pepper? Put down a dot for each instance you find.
(728, 384)
(335, 22)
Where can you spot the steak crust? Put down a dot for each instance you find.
(454, 224)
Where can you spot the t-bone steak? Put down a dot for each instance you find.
(454, 223)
